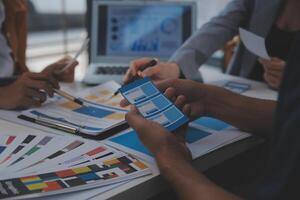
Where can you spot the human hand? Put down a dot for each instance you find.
(274, 70)
(157, 139)
(56, 68)
(30, 89)
(195, 95)
(157, 73)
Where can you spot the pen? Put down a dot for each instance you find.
(50, 124)
(152, 63)
(82, 49)
(56, 125)
(68, 96)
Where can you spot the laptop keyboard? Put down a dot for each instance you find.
(112, 70)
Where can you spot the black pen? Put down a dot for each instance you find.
(151, 63)
(69, 97)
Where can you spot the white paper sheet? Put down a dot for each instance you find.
(102, 111)
(12, 147)
(55, 144)
(110, 168)
(254, 43)
(18, 153)
(200, 147)
(83, 195)
(42, 161)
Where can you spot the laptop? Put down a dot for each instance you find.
(121, 31)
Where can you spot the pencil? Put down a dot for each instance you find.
(68, 96)
(82, 49)
(151, 63)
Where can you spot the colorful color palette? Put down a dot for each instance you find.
(103, 166)
(25, 142)
(123, 166)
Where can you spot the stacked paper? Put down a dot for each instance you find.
(203, 136)
(40, 165)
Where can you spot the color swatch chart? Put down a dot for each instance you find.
(49, 164)
(153, 105)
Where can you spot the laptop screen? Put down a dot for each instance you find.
(142, 29)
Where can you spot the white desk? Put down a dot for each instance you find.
(149, 186)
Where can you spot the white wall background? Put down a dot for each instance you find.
(206, 8)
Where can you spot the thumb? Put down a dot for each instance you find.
(124, 103)
(275, 59)
(152, 71)
(135, 119)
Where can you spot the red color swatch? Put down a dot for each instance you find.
(65, 173)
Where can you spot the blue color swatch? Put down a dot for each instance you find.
(211, 123)
(89, 176)
(148, 89)
(193, 135)
(93, 111)
(2, 148)
(131, 140)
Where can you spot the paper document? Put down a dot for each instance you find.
(254, 43)
(203, 136)
(5, 140)
(99, 113)
(97, 166)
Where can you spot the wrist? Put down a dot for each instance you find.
(4, 100)
(176, 70)
(171, 153)
(213, 100)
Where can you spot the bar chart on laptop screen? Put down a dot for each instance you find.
(155, 30)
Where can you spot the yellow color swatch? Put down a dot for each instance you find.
(29, 179)
(36, 186)
(140, 165)
(116, 116)
(117, 104)
(91, 97)
(101, 101)
(111, 162)
(71, 105)
(105, 92)
(81, 170)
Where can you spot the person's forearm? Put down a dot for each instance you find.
(7, 80)
(4, 98)
(248, 114)
(187, 182)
